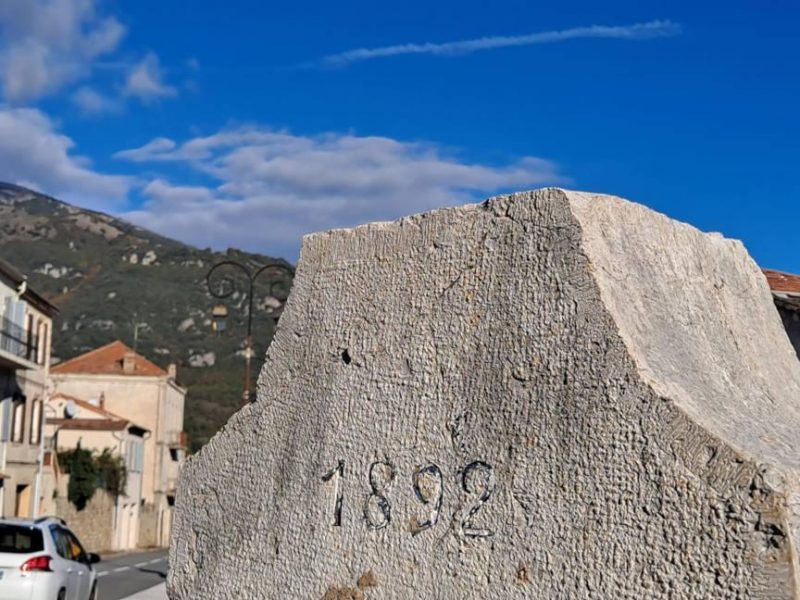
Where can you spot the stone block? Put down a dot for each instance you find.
(548, 395)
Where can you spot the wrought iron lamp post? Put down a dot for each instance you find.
(225, 287)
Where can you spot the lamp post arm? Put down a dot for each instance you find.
(221, 293)
(228, 286)
(273, 266)
(276, 266)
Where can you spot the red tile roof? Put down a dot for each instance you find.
(108, 360)
(110, 421)
(784, 283)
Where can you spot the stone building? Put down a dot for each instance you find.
(25, 334)
(786, 293)
(78, 422)
(135, 389)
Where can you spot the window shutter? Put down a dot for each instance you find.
(5, 411)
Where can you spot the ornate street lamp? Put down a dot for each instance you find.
(225, 286)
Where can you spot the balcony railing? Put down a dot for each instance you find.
(15, 340)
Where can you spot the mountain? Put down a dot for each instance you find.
(114, 280)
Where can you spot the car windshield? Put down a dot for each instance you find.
(20, 539)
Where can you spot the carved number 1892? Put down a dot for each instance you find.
(477, 481)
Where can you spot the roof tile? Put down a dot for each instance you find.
(108, 360)
(783, 282)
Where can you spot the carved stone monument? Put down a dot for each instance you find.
(549, 395)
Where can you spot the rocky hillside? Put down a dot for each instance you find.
(113, 280)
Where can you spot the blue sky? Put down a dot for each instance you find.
(224, 124)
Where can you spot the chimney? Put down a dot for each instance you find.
(172, 370)
(128, 363)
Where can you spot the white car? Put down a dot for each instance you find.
(42, 559)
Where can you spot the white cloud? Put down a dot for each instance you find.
(91, 102)
(638, 31)
(48, 44)
(180, 195)
(145, 81)
(272, 187)
(33, 153)
(152, 150)
(201, 148)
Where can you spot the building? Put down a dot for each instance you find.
(786, 294)
(127, 384)
(78, 422)
(25, 335)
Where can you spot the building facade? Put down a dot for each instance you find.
(25, 337)
(74, 422)
(132, 387)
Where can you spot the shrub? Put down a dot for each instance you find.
(83, 472)
(112, 472)
(89, 471)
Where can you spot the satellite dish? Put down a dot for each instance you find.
(69, 410)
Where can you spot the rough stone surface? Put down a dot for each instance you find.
(549, 395)
(94, 525)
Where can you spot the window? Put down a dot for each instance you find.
(60, 541)
(19, 539)
(31, 338)
(135, 456)
(36, 422)
(76, 550)
(18, 420)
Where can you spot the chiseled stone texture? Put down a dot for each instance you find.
(616, 386)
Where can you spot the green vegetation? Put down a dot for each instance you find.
(111, 472)
(89, 472)
(83, 477)
(102, 296)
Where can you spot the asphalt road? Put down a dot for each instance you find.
(122, 576)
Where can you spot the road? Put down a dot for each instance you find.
(122, 576)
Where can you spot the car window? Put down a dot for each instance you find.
(61, 543)
(20, 539)
(76, 550)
